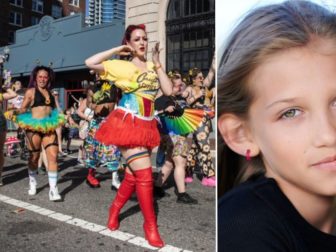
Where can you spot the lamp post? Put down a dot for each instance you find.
(3, 58)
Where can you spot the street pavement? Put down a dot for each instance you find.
(33, 223)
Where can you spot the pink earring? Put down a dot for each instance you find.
(248, 155)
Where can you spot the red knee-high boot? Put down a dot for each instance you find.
(124, 192)
(144, 191)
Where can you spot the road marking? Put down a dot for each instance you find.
(77, 222)
(60, 217)
(169, 248)
(123, 236)
(44, 211)
(141, 242)
(93, 227)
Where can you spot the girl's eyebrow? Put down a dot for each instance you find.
(286, 100)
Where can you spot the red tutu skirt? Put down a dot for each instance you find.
(125, 130)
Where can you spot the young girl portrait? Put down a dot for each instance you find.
(277, 124)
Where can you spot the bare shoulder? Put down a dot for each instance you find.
(30, 92)
(188, 89)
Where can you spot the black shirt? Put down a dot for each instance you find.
(76, 117)
(257, 216)
(40, 100)
(164, 102)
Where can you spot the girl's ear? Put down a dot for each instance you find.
(236, 135)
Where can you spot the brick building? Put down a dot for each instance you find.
(18, 14)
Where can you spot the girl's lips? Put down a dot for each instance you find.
(328, 163)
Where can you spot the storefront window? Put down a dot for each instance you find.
(190, 30)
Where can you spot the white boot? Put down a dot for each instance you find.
(115, 180)
(54, 195)
(32, 188)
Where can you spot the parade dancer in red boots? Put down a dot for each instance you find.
(132, 126)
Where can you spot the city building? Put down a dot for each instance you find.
(18, 14)
(62, 44)
(105, 11)
(185, 30)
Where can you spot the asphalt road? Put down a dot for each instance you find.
(33, 223)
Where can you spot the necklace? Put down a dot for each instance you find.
(46, 98)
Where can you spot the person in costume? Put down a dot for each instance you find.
(72, 126)
(199, 96)
(5, 94)
(86, 114)
(39, 124)
(58, 129)
(101, 99)
(132, 125)
(176, 123)
(15, 103)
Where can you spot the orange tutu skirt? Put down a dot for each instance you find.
(128, 131)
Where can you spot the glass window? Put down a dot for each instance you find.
(174, 9)
(16, 2)
(186, 40)
(56, 11)
(192, 39)
(15, 18)
(206, 5)
(34, 20)
(74, 2)
(177, 9)
(37, 5)
(206, 38)
(192, 7)
(190, 34)
(186, 7)
(200, 6)
(199, 37)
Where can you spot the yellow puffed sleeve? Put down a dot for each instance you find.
(123, 73)
(110, 70)
(118, 70)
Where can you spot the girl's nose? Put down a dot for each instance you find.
(325, 131)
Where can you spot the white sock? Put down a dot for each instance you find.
(52, 177)
(115, 180)
(32, 176)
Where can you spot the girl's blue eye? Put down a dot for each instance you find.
(290, 113)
